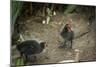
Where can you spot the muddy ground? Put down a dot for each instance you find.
(31, 28)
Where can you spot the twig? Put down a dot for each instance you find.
(82, 34)
(21, 37)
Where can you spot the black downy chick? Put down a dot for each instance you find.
(30, 47)
(68, 35)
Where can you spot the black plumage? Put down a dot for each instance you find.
(67, 34)
(30, 47)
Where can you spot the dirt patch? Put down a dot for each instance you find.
(31, 30)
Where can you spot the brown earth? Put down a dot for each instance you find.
(34, 29)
